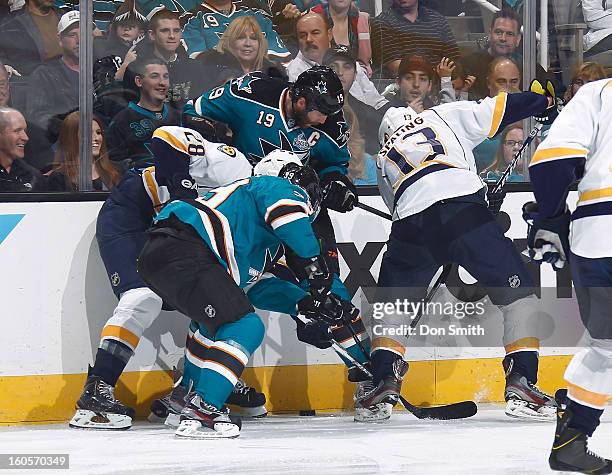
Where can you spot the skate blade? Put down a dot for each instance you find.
(379, 413)
(173, 420)
(155, 419)
(520, 410)
(255, 412)
(84, 419)
(191, 429)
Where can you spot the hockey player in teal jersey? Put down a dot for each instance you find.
(306, 118)
(207, 22)
(202, 253)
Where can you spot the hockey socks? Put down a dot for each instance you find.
(584, 418)
(382, 365)
(523, 362)
(111, 359)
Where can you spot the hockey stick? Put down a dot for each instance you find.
(373, 210)
(510, 168)
(458, 410)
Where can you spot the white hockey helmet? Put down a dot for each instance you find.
(272, 164)
(393, 119)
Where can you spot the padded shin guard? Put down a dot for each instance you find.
(521, 325)
(589, 375)
(135, 312)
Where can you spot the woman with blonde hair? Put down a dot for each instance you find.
(64, 174)
(511, 141)
(588, 71)
(242, 49)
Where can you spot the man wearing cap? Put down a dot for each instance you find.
(342, 61)
(314, 34)
(54, 86)
(29, 38)
(414, 80)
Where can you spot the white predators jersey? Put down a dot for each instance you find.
(430, 157)
(211, 164)
(581, 135)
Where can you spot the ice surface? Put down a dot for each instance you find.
(489, 443)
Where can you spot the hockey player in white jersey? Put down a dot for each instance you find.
(184, 160)
(579, 147)
(428, 179)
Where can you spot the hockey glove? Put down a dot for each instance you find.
(549, 114)
(547, 238)
(183, 187)
(319, 277)
(495, 201)
(332, 310)
(314, 332)
(339, 193)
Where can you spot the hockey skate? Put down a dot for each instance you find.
(247, 401)
(168, 408)
(200, 420)
(97, 407)
(375, 404)
(570, 452)
(525, 400)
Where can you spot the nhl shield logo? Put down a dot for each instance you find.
(514, 281)
(210, 311)
(115, 279)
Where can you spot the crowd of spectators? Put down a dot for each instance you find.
(151, 56)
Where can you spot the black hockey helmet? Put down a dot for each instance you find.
(307, 179)
(321, 88)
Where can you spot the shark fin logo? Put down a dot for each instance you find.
(8, 222)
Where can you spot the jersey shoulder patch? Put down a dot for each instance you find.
(227, 150)
(258, 87)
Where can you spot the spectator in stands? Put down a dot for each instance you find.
(207, 22)
(186, 75)
(314, 34)
(406, 29)
(341, 60)
(414, 84)
(37, 151)
(462, 82)
(54, 86)
(30, 37)
(504, 74)
(587, 72)
(15, 174)
(131, 130)
(126, 29)
(598, 17)
(510, 142)
(64, 176)
(242, 49)
(351, 28)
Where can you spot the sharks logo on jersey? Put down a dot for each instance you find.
(244, 83)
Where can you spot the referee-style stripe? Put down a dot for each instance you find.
(410, 180)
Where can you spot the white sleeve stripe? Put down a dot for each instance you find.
(282, 202)
(288, 218)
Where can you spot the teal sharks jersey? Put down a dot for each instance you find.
(246, 224)
(205, 25)
(252, 106)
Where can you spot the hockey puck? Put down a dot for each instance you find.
(308, 412)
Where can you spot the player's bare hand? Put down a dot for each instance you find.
(417, 105)
(468, 82)
(291, 11)
(445, 68)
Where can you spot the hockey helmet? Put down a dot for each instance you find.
(273, 163)
(394, 118)
(307, 179)
(321, 88)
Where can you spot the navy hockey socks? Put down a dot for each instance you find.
(382, 365)
(523, 362)
(111, 362)
(584, 418)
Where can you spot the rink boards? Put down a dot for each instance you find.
(56, 298)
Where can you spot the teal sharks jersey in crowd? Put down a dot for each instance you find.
(247, 223)
(205, 24)
(252, 106)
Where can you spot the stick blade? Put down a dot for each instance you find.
(458, 410)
